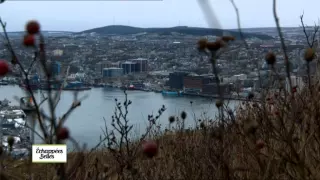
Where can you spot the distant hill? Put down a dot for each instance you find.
(126, 30)
(45, 33)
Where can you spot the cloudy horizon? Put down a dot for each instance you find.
(82, 15)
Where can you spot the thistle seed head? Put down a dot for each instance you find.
(172, 119)
(202, 44)
(183, 115)
(270, 58)
(309, 54)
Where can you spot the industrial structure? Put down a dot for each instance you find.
(112, 72)
(176, 80)
(196, 84)
(106, 64)
(55, 68)
(138, 65)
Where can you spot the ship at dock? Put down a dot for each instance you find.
(13, 121)
(136, 85)
(36, 84)
(172, 93)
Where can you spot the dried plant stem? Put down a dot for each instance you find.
(3, 25)
(243, 38)
(49, 88)
(309, 77)
(220, 93)
(316, 29)
(284, 48)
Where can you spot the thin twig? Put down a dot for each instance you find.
(58, 95)
(3, 25)
(284, 48)
(66, 115)
(316, 29)
(243, 38)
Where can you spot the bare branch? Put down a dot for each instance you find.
(315, 31)
(243, 38)
(58, 95)
(3, 25)
(32, 63)
(284, 48)
(66, 115)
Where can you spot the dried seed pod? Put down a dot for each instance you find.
(183, 115)
(309, 54)
(29, 40)
(250, 126)
(202, 44)
(250, 95)
(227, 38)
(33, 27)
(172, 119)
(270, 58)
(63, 133)
(219, 103)
(10, 141)
(260, 144)
(202, 125)
(214, 46)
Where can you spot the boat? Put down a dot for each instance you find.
(13, 116)
(135, 86)
(75, 86)
(4, 103)
(157, 91)
(109, 85)
(131, 87)
(99, 85)
(27, 105)
(3, 83)
(13, 120)
(172, 93)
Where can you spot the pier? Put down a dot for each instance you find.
(225, 97)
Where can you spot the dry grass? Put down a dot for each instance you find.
(273, 139)
(278, 139)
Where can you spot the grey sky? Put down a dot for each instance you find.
(81, 15)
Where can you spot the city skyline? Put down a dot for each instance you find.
(82, 15)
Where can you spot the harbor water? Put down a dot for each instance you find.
(86, 121)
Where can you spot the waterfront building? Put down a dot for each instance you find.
(112, 72)
(56, 68)
(176, 80)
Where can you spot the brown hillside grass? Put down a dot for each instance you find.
(278, 139)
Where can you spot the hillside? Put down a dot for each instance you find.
(125, 30)
(45, 33)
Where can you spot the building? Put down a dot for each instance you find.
(129, 67)
(195, 84)
(55, 68)
(106, 64)
(237, 77)
(212, 88)
(176, 80)
(57, 52)
(296, 81)
(112, 72)
(141, 64)
(134, 66)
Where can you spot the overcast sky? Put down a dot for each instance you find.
(81, 15)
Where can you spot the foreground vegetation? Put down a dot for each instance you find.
(275, 138)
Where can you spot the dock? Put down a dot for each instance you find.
(225, 97)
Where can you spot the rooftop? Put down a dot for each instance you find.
(139, 59)
(111, 68)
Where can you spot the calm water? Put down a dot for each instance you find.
(86, 121)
